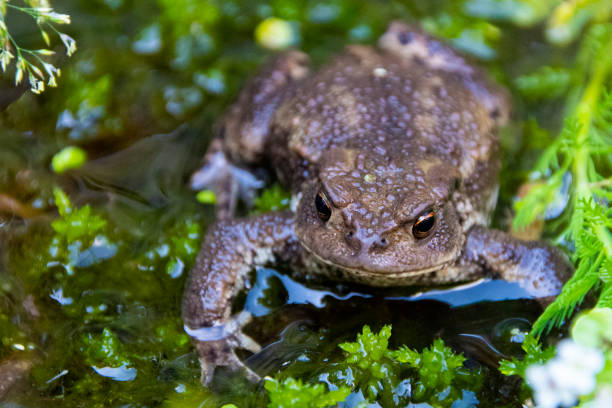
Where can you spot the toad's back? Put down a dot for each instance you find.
(389, 105)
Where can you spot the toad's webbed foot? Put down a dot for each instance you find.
(229, 182)
(217, 346)
(538, 268)
(232, 249)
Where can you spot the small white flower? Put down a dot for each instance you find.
(58, 17)
(5, 59)
(570, 374)
(37, 71)
(45, 52)
(36, 86)
(69, 43)
(47, 13)
(45, 36)
(51, 69)
(584, 359)
(603, 398)
(19, 71)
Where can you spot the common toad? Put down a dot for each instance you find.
(392, 157)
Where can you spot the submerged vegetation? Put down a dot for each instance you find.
(375, 374)
(97, 230)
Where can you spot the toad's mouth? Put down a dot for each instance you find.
(389, 271)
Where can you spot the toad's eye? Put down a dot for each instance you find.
(323, 209)
(424, 224)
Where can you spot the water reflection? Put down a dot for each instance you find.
(485, 320)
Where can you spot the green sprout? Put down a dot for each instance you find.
(30, 63)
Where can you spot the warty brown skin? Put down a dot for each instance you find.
(386, 137)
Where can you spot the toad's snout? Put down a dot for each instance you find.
(366, 242)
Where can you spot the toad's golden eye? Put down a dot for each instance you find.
(322, 206)
(424, 224)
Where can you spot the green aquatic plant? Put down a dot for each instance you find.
(534, 354)
(439, 371)
(75, 224)
(104, 349)
(79, 238)
(571, 180)
(371, 371)
(29, 63)
(371, 362)
(579, 162)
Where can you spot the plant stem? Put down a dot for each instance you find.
(585, 110)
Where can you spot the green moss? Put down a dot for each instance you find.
(104, 349)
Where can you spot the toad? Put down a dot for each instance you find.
(392, 157)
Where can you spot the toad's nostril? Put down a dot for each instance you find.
(378, 245)
(381, 243)
(352, 240)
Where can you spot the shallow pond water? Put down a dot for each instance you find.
(97, 315)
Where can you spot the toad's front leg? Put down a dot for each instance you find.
(242, 135)
(230, 250)
(538, 268)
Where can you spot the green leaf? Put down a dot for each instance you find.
(206, 197)
(571, 295)
(68, 158)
